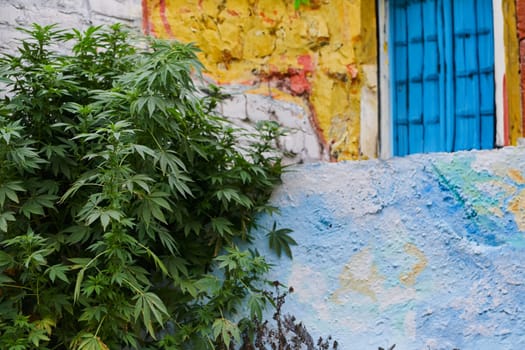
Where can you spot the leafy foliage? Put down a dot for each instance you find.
(280, 240)
(124, 197)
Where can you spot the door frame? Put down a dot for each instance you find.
(386, 139)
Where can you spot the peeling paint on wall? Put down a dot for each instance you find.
(313, 56)
(425, 252)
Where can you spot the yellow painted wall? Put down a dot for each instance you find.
(313, 56)
(512, 95)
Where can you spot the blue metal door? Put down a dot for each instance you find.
(442, 75)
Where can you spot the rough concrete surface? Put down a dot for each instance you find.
(425, 252)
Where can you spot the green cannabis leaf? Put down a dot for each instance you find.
(280, 241)
(124, 197)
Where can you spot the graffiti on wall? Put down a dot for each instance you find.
(311, 58)
(425, 252)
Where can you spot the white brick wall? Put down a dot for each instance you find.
(245, 109)
(66, 13)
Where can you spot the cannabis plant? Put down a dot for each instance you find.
(124, 197)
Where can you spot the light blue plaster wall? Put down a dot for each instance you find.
(425, 252)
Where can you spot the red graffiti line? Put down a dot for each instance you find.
(145, 18)
(296, 82)
(147, 25)
(165, 22)
(233, 13)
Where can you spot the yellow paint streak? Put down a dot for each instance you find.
(246, 41)
(156, 21)
(409, 278)
(516, 176)
(359, 275)
(512, 71)
(368, 50)
(343, 123)
(517, 207)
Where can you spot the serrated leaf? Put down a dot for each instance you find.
(36, 205)
(140, 180)
(58, 271)
(9, 193)
(104, 220)
(168, 241)
(143, 151)
(5, 279)
(78, 283)
(226, 329)
(209, 284)
(4, 218)
(178, 182)
(6, 259)
(149, 303)
(152, 105)
(90, 341)
(37, 257)
(158, 198)
(222, 225)
(158, 214)
(79, 262)
(256, 304)
(155, 258)
(187, 286)
(46, 324)
(280, 240)
(36, 336)
(77, 234)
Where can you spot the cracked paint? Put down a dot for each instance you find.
(315, 54)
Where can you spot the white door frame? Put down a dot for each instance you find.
(386, 142)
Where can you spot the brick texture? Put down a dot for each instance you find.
(66, 13)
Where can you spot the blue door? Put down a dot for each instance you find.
(442, 75)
